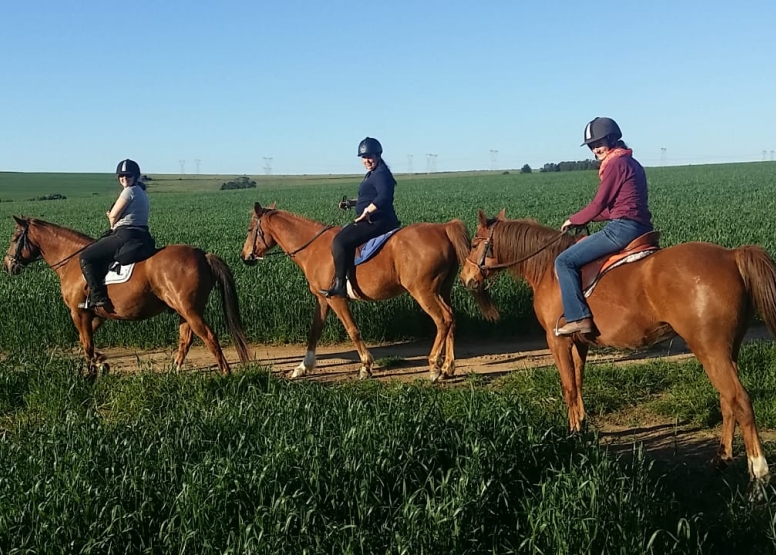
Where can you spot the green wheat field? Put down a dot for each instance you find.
(163, 462)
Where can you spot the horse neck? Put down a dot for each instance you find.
(291, 231)
(517, 239)
(56, 243)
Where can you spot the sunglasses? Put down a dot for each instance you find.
(126, 175)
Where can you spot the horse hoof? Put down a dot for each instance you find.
(104, 368)
(434, 376)
(364, 374)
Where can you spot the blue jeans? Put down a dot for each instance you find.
(612, 238)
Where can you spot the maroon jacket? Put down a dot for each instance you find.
(621, 194)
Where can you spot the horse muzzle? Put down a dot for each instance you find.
(12, 266)
(252, 259)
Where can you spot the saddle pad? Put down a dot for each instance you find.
(121, 275)
(372, 247)
(624, 260)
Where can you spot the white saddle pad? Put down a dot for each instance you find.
(122, 275)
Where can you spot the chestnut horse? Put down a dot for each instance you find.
(704, 293)
(421, 259)
(178, 278)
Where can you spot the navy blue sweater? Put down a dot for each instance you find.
(377, 188)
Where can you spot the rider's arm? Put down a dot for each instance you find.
(114, 214)
(607, 190)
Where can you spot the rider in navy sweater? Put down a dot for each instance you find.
(375, 214)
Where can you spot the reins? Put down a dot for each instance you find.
(489, 241)
(294, 252)
(259, 232)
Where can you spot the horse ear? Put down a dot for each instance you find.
(272, 206)
(257, 208)
(20, 221)
(482, 218)
(502, 215)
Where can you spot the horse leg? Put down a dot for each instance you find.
(443, 316)
(83, 323)
(208, 336)
(185, 339)
(724, 454)
(562, 351)
(319, 317)
(734, 404)
(97, 322)
(448, 367)
(579, 354)
(342, 310)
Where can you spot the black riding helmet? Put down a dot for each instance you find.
(601, 128)
(128, 167)
(369, 146)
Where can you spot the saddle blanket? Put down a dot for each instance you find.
(373, 246)
(119, 274)
(625, 260)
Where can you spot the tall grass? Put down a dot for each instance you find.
(248, 464)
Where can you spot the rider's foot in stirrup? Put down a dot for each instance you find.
(337, 290)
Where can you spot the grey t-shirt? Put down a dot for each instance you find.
(136, 212)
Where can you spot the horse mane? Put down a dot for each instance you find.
(514, 239)
(63, 232)
(292, 215)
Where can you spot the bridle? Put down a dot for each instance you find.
(483, 268)
(21, 243)
(259, 233)
(24, 242)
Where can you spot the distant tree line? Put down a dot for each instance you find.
(240, 183)
(52, 196)
(571, 166)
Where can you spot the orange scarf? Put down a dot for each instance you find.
(611, 155)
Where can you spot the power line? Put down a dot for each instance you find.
(663, 156)
(409, 163)
(196, 162)
(267, 165)
(493, 159)
(183, 167)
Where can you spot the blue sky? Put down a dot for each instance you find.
(85, 84)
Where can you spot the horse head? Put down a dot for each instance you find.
(22, 250)
(476, 269)
(259, 240)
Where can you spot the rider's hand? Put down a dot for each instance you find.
(566, 226)
(343, 205)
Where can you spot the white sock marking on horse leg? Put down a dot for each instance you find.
(307, 365)
(758, 467)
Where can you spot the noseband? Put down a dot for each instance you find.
(21, 243)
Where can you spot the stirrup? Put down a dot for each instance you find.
(89, 304)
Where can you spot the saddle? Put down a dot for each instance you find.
(639, 248)
(372, 247)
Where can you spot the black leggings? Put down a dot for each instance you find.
(343, 247)
(99, 255)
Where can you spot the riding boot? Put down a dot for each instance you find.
(97, 292)
(338, 290)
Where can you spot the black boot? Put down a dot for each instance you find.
(338, 290)
(97, 292)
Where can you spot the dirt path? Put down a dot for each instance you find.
(405, 361)
(679, 442)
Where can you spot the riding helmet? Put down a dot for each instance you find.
(128, 167)
(369, 146)
(600, 128)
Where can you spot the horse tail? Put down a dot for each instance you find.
(226, 286)
(459, 237)
(759, 274)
